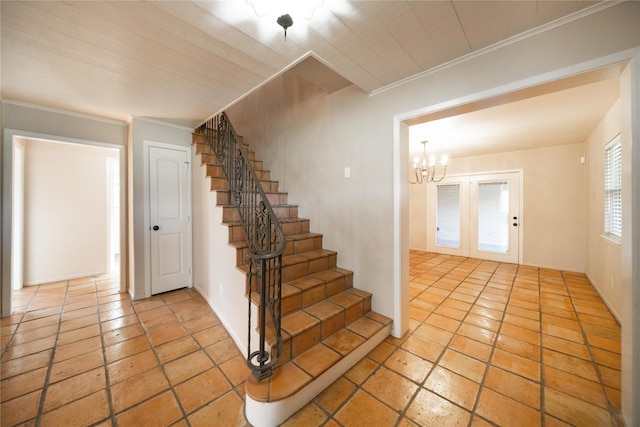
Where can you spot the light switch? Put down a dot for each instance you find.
(347, 172)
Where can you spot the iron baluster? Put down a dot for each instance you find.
(265, 239)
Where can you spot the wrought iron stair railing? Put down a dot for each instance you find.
(265, 239)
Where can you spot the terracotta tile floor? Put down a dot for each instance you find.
(489, 344)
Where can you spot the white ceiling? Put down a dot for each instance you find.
(183, 61)
(562, 112)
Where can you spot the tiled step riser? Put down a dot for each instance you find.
(224, 198)
(202, 147)
(209, 158)
(214, 171)
(299, 246)
(305, 268)
(293, 247)
(230, 213)
(219, 183)
(300, 294)
(300, 269)
(293, 227)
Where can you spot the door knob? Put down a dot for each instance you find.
(156, 228)
(515, 224)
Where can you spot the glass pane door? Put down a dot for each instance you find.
(448, 216)
(494, 217)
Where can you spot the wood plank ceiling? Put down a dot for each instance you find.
(184, 61)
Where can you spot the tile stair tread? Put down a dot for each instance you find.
(309, 365)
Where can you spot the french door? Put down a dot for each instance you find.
(476, 216)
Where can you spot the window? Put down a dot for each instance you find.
(613, 188)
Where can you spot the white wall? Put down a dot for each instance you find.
(17, 212)
(603, 256)
(65, 211)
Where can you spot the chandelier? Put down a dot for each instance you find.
(426, 170)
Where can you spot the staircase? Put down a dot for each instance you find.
(327, 325)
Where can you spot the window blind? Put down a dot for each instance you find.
(613, 188)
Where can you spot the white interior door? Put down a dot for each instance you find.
(476, 216)
(169, 207)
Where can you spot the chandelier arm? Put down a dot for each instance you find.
(444, 173)
(418, 180)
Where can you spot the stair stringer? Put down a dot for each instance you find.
(215, 276)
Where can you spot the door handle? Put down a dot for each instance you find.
(156, 228)
(515, 224)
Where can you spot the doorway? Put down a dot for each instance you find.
(476, 216)
(32, 228)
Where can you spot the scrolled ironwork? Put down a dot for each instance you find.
(265, 239)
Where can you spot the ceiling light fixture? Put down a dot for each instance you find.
(285, 21)
(425, 170)
(283, 11)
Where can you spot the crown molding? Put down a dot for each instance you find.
(598, 7)
(66, 112)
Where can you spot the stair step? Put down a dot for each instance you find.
(308, 326)
(290, 226)
(301, 265)
(231, 213)
(296, 244)
(305, 264)
(292, 376)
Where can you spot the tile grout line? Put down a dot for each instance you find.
(494, 345)
(594, 362)
(160, 364)
(445, 348)
(112, 412)
(543, 410)
(47, 377)
(200, 348)
(435, 362)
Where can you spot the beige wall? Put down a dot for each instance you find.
(418, 217)
(65, 211)
(603, 256)
(554, 201)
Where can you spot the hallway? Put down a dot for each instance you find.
(489, 344)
